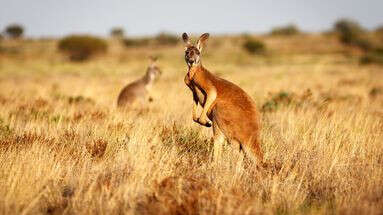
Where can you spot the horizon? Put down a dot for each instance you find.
(42, 18)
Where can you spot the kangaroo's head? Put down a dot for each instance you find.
(193, 52)
(153, 72)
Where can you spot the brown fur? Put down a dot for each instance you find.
(138, 91)
(233, 113)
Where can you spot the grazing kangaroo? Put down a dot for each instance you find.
(232, 112)
(139, 89)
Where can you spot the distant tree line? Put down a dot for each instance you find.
(83, 47)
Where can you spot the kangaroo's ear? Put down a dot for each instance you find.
(202, 41)
(153, 60)
(186, 38)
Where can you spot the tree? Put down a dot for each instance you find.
(352, 33)
(117, 32)
(14, 31)
(286, 30)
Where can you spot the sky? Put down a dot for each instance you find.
(53, 18)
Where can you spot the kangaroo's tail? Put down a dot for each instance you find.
(253, 149)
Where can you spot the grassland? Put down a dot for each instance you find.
(66, 149)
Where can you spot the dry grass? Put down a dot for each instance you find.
(66, 149)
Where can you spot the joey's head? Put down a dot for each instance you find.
(193, 52)
(153, 72)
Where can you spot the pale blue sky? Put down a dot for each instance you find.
(141, 17)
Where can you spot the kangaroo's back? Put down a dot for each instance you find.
(130, 93)
(234, 110)
(236, 115)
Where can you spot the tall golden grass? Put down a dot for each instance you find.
(66, 149)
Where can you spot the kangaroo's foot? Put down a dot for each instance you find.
(202, 122)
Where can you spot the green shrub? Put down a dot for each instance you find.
(136, 42)
(285, 30)
(14, 31)
(375, 92)
(351, 33)
(117, 32)
(166, 39)
(282, 98)
(288, 99)
(364, 43)
(1, 39)
(254, 46)
(379, 29)
(161, 39)
(373, 57)
(82, 47)
(348, 29)
(379, 33)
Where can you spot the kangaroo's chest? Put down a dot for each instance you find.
(201, 95)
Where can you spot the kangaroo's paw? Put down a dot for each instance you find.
(204, 122)
(196, 119)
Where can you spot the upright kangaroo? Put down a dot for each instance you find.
(139, 89)
(231, 111)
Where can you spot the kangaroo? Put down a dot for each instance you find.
(139, 89)
(225, 106)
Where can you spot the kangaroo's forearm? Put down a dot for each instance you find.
(195, 106)
(211, 96)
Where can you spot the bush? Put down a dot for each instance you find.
(166, 39)
(288, 99)
(351, 33)
(14, 31)
(375, 92)
(348, 30)
(160, 39)
(281, 98)
(136, 42)
(379, 33)
(379, 30)
(117, 32)
(285, 30)
(82, 47)
(254, 46)
(373, 57)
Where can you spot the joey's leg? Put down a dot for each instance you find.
(218, 140)
(211, 95)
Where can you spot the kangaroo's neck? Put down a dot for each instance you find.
(195, 69)
(147, 79)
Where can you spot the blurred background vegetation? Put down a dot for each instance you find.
(352, 40)
(320, 95)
